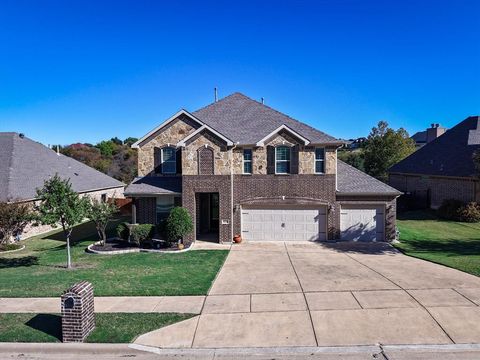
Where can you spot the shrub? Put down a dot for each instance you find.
(450, 209)
(142, 232)
(179, 224)
(470, 212)
(122, 231)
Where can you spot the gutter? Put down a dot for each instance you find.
(231, 190)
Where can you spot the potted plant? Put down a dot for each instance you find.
(179, 223)
(237, 239)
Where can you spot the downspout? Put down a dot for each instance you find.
(231, 190)
(336, 169)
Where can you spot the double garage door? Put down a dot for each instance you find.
(284, 224)
(357, 223)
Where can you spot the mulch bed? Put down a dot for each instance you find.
(113, 245)
(9, 247)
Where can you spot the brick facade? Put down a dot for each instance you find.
(441, 188)
(78, 313)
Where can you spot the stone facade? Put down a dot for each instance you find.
(78, 313)
(220, 152)
(440, 188)
(171, 134)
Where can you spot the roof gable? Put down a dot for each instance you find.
(165, 123)
(449, 155)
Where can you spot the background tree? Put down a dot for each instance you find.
(354, 158)
(384, 148)
(60, 205)
(14, 217)
(101, 213)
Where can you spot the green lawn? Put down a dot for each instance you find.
(455, 244)
(39, 269)
(110, 327)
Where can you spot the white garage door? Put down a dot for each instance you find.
(284, 224)
(362, 223)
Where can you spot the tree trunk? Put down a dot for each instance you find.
(68, 233)
(104, 236)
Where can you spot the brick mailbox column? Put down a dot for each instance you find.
(78, 314)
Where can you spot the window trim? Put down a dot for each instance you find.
(247, 161)
(174, 161)
(319, 160)
(289, 161)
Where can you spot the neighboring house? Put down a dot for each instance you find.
(241, 167)
(443, 168)
(26, 164)
(424, 137)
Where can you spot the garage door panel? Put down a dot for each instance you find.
(359, 223)
(284, 224)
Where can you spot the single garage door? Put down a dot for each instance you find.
(284, 224)
(362, 223)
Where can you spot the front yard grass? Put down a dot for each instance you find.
(39, 270)
(451, 243)
(110, 327)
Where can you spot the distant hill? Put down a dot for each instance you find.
(113, 157)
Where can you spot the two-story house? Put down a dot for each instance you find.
(241, 167)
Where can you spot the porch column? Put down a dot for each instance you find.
(134, 211)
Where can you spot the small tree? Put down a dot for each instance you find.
(384, 148)
(60, 205)
(179, 224)
(14, 217)
(101, 213)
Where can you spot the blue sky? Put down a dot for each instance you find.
(83, 71)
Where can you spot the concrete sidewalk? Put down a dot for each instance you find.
(107, 304)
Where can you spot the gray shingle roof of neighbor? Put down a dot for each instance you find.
(353, 181)
(154, 185)
(247, 121)
(449, 155)
(25, 165)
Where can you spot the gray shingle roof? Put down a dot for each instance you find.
(448, 155)
(26, 164)
(247, 121)
(353, 181)
(154, 185)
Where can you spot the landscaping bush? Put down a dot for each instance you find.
(470, 212)
(179, 224)
(122, 231)
(142, 232)
(450, 209)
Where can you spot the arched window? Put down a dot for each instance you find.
(169, 160)
(282, 160)
(205, 161)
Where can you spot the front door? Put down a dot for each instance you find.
(208, 216)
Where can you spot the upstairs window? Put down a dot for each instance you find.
(247, 161)
(169, 160)
(319, 161)
(282, 160)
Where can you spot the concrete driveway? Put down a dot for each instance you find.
(307, 294)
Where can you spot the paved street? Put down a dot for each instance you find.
(116, 351)
(304, 294)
